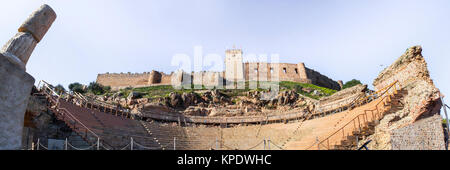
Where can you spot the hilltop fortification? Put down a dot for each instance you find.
(235, 71)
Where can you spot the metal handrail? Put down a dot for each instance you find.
(357, 117)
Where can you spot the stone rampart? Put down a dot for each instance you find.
(123, 79)
(425, 134)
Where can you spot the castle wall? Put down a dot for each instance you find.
(123, 79)
(273, 72)
(235, 71)
(212, 79)
(155, 77)
(166, 79)
(320, 80)
(287, 72)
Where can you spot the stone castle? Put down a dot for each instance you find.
(235, 71)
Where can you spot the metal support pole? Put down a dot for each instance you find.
(317, 141)
(264, 143)
(65, 144)
(446, 117)
(174, 143)
(37, 146)
(216, 144)
(131, 144)
(98, 143)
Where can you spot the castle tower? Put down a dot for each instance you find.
(234, 67)
(155, 77)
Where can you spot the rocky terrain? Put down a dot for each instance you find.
(229, 103)
(213, 103)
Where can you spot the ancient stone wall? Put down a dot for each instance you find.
(123, 79)
(318, 79)
(425, 134)
(341, 98)
(211, 79)
(407, 68)
(155, 77)
(235, 70)
(166, 78)
(287, 72)
(421, 99)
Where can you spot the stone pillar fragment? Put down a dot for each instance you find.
(39, 22)
(16, 84)
(21, 46)
(15, 91)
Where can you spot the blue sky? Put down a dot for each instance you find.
(341, 39)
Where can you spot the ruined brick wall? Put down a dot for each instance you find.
(421, 99)
(425, 134)
(406, 69)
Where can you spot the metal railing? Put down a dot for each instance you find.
(360, 121)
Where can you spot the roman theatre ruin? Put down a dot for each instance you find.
(401, 112)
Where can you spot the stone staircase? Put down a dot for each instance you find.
(77, 141)
(351, 141)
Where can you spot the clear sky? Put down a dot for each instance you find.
(341, 39)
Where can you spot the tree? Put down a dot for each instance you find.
(77, 87)
(351, 83)
(98, 89)
(60, 88)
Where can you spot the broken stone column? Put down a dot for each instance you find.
(16, 84)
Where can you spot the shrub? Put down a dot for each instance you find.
(60, 89)
(77, 87)
(351, 83)
(98, 89)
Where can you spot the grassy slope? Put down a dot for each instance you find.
(164, 90)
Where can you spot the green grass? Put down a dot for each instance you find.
(165, 90)
(288, 85)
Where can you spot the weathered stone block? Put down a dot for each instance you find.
(15, 90)
(21, 46)
(39, 22)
